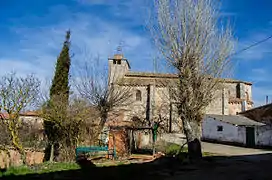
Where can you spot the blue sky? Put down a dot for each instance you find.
(32, 33)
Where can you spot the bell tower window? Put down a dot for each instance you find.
(138, 95)
(238, 91)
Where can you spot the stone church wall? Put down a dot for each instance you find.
(227, 101)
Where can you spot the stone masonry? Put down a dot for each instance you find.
(150, 92)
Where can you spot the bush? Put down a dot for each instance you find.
(173, 149)
(178, 152)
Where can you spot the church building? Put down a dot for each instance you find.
(150, 94)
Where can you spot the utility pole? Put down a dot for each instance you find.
(154, 125)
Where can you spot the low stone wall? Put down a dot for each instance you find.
(145, 139)
(176, 138)
(14, 158)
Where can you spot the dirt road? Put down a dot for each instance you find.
(231, 150)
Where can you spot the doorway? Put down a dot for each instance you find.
(250, 137)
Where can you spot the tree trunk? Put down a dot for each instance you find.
(51, 158)
(192, 131)
(18, 146)
(100, 126)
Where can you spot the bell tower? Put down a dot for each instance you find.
(118, 66)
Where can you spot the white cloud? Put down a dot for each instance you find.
(260, 94)
(228, 14)
(135, 10)
(259, 71)
(96, 2)
(259, 51)
(261, 85)
(260, 75)
(255, 63)
(39, 47)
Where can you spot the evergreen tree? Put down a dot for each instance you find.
(59, 93)
(60, 83)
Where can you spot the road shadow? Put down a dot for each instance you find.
(250, 167)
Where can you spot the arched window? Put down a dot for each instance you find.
(138, 95)
(238, 91)
(247, 96)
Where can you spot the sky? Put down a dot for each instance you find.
(32, 33)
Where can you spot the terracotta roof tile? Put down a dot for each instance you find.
(30, 113)
(4, 115)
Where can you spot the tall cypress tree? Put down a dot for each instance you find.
(60, 83)
(59, 93)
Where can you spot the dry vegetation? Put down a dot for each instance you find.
(16, 93)
(190, 37)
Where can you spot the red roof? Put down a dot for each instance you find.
(5, 115)
(30, 113)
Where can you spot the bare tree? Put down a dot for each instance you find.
(69, 125)
(92, 84)
(189, 35)
(16, 93)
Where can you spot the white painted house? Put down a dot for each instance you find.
(232, 129)
(262, 114)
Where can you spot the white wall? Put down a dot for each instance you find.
(230, 133)
(263, 135)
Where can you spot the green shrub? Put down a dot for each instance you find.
(174, 149)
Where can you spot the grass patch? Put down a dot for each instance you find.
(205, 154)
(52, 167)
(40, 169)
(175, 149)
(21, 170)
(172, 149)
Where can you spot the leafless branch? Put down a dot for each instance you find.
(92, 84)
(197, 46)
(16, 93)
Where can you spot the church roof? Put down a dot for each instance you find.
(160, 79)
(151, 75)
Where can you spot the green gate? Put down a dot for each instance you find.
(250, 137)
